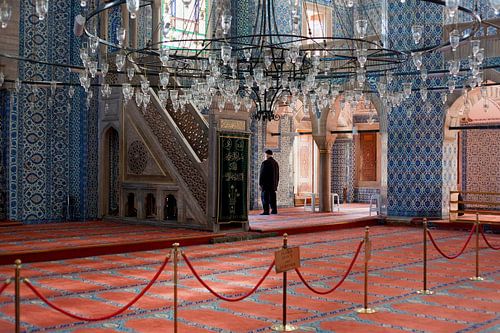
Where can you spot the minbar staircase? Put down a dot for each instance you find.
(182, 139)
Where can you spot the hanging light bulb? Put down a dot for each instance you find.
(423, 93)
(120, 61)
(475, 45)
(121, 34)
(361, 27)
(416, 32)
(186, 3)
(5, 14)
(92, 68)
(145, 86)
(407, 89)
(454, 67)
(225, 53)
(226, 22)
(350, 3)
(133, 7)
(104, 69)
(361, 54)
(138, 98)
(451, 85)
(452, 6)
(454, 39)
(417, 59)
(2, 79)
(130, 73)
(41, 8)
(83, 3)
(164, 56)
(164, 78)
(423, 74)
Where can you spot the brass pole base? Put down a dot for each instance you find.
(476, 278)
(286, 328)
(425, 292)
(366, 310)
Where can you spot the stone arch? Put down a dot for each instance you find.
(110, 171)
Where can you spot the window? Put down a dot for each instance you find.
(368, 165)
(186, 22)
(317, 19)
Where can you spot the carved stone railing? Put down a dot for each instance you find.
(190, 171)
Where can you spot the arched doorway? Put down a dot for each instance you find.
(471, 148)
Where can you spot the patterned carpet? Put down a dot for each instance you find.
(100, 285)
(297, 217)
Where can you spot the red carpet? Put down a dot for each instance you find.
(99, 285)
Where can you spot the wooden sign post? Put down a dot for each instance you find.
(286, 259)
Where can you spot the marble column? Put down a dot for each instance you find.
(324, 183)
(125, 23)
(156, 11)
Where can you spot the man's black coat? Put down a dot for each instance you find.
(269, 175)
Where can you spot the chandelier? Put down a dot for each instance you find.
(273, 65)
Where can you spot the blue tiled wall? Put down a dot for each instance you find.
(53, 151)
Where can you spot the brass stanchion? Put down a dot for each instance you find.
(368, 249)
(176, 259)
(284, 327)
(478, 225)
(17, 295)
(425, 291)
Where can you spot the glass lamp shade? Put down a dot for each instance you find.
(417, 59)
(120, 61)
(416, 32)
(186, 3)
(5, 14)
(164, 78)
(225, 53)
(133, 7)
(451, 85)
(130, 73)
(104, 69)
(121, 34)
(145, 86)
(407, 89)
(454, 39)
(361, 27)
(226, 22)
(475, 45)
(452, 6)
(41, 8)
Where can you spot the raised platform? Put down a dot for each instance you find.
(57, 241)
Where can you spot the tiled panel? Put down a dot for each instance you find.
(343, 168)
(481, 157)
(449, 172)
(415, 129)
(52, 138)
(4, 151)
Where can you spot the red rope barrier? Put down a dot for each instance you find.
(459, 253)
(341, 280)
(128, 305)
(486, 240)
(5, 285)
(219, 295)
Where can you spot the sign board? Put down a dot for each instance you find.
(233, 178)
(287, 259)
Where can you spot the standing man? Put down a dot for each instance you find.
(268, 183)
